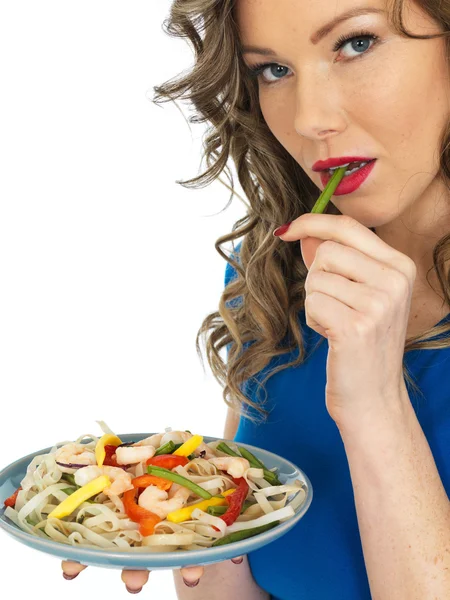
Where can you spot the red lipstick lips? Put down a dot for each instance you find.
(351, 182)
(323, 165)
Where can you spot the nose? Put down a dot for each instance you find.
(318, 113)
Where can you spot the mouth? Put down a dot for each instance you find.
(351, 168)
(355, 175)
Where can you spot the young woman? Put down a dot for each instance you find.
(337, 328)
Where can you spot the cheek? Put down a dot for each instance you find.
(278, 110)
(404, 102)
(429, 105)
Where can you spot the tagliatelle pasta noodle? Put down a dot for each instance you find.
(102, 520)
(116, 502)
(263, 503)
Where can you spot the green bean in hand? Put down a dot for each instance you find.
(329, 190)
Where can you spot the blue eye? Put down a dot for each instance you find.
(258, 69)
(363, 35)
(367, 36)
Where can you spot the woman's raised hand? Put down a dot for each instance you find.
(358, 295)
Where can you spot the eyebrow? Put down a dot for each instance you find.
(322, 32)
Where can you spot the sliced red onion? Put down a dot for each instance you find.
(74, 466)
(70, 465)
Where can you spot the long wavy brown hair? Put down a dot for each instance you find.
(257, 318)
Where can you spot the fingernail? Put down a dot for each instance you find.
(282, 229)
(237, 561)
(191, 583)
(133, 591)
(69, 577)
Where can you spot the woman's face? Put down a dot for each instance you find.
(380, 96)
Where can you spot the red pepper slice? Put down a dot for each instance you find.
(133, 510)
(11, 501)
(168, 461)
(147, 525)
(235, 502)
(146, 519)
(144, 481)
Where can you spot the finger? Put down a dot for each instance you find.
(135, 580)
(348, 231)
(333, 257)
(308, 247)
(328, 315)
(191, 575)
(348, 292)
(237, 560)
(71, 569)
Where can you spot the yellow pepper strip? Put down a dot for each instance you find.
(68, 505)
(189, 446)
(184, 514)
(106, 439)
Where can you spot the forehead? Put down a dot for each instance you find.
(296, 17)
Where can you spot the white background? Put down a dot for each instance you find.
(107, 266)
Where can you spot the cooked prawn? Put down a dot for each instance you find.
(235, 466)
(162, 503)
(153, 440)
(74, 453)
(130, 455)
(121, 480)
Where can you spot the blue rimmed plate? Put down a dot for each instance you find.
(287, 472)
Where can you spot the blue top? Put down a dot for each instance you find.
(321, 557)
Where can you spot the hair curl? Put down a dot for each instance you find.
(257, 317)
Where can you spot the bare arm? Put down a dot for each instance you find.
(225, 580)
(402, 507)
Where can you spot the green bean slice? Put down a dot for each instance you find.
(69, 477)
(255, 462)
(165, 449)
(70, 490)
(237, 536)
(176, 478)
(251, 458)
(329, 190)
(227, 450)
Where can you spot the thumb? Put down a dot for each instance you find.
(308, 248)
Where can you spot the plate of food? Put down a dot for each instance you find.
(151, 500)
